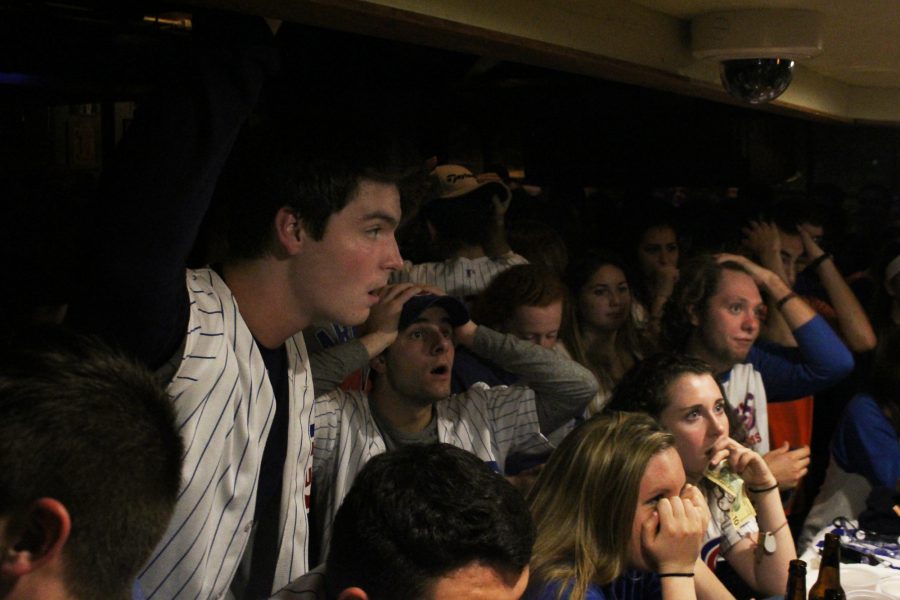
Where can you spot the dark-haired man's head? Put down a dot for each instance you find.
(90, 467)
(461, 214)
(321, 208)
(415, 370)
(430, 522)
(714, 313)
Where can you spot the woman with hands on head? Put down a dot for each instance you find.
(616, 519)
(682, 394)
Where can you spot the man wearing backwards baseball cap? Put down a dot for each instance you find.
(410, 402)
(466, 223)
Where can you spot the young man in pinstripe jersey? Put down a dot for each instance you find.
(311, 236)
(410, 402)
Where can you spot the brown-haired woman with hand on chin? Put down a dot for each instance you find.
(748, 527)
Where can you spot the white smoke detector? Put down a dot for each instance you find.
(757, 33)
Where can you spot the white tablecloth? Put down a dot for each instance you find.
(886, 551)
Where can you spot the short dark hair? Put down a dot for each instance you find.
(645, 387)
(96, 431)
(698, 282)
(420, 512)
(312, 169)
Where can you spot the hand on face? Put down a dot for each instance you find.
(745, 462)
(788, 466)
(664, 280)
(672, 536)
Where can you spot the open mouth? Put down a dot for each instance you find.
(441, 370)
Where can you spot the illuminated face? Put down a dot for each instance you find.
(335, 277)
(695, 415)
(538, 324)
(663, 478)
(477, 581)
(730, 325)
(658, 248)
(792, 255)
(418, 364)
(605, 300)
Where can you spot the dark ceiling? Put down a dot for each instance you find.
(557, 126)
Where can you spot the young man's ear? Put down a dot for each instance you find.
(353, 593)
(34, 537)
(289, 231)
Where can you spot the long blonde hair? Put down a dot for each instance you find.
(585, 499)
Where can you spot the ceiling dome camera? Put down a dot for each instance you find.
(756, 48)
(756, 80)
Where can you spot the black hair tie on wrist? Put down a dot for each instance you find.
(814, 264)
(675, 575)
(762, 490)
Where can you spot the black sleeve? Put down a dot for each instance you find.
(155, 193)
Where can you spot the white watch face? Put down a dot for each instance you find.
(768, 544)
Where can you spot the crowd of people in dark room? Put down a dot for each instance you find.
(298, 362)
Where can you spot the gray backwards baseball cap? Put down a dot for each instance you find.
(415, 306)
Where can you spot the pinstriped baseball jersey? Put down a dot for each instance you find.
(461, 277)
(225, 406)
(488, 422)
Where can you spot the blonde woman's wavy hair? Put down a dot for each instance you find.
(586, 497)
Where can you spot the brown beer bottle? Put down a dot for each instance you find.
(796, 587)
(829, 572)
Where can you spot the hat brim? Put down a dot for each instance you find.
(495, 187)
(415, 306)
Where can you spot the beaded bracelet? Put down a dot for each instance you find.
(661, 575)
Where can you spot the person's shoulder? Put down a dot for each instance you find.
(863, 405)
(550, 591)
(306, 587)
(740, 371)
(475, 392)
(544, 591)
(341, 401)
(510, 258)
